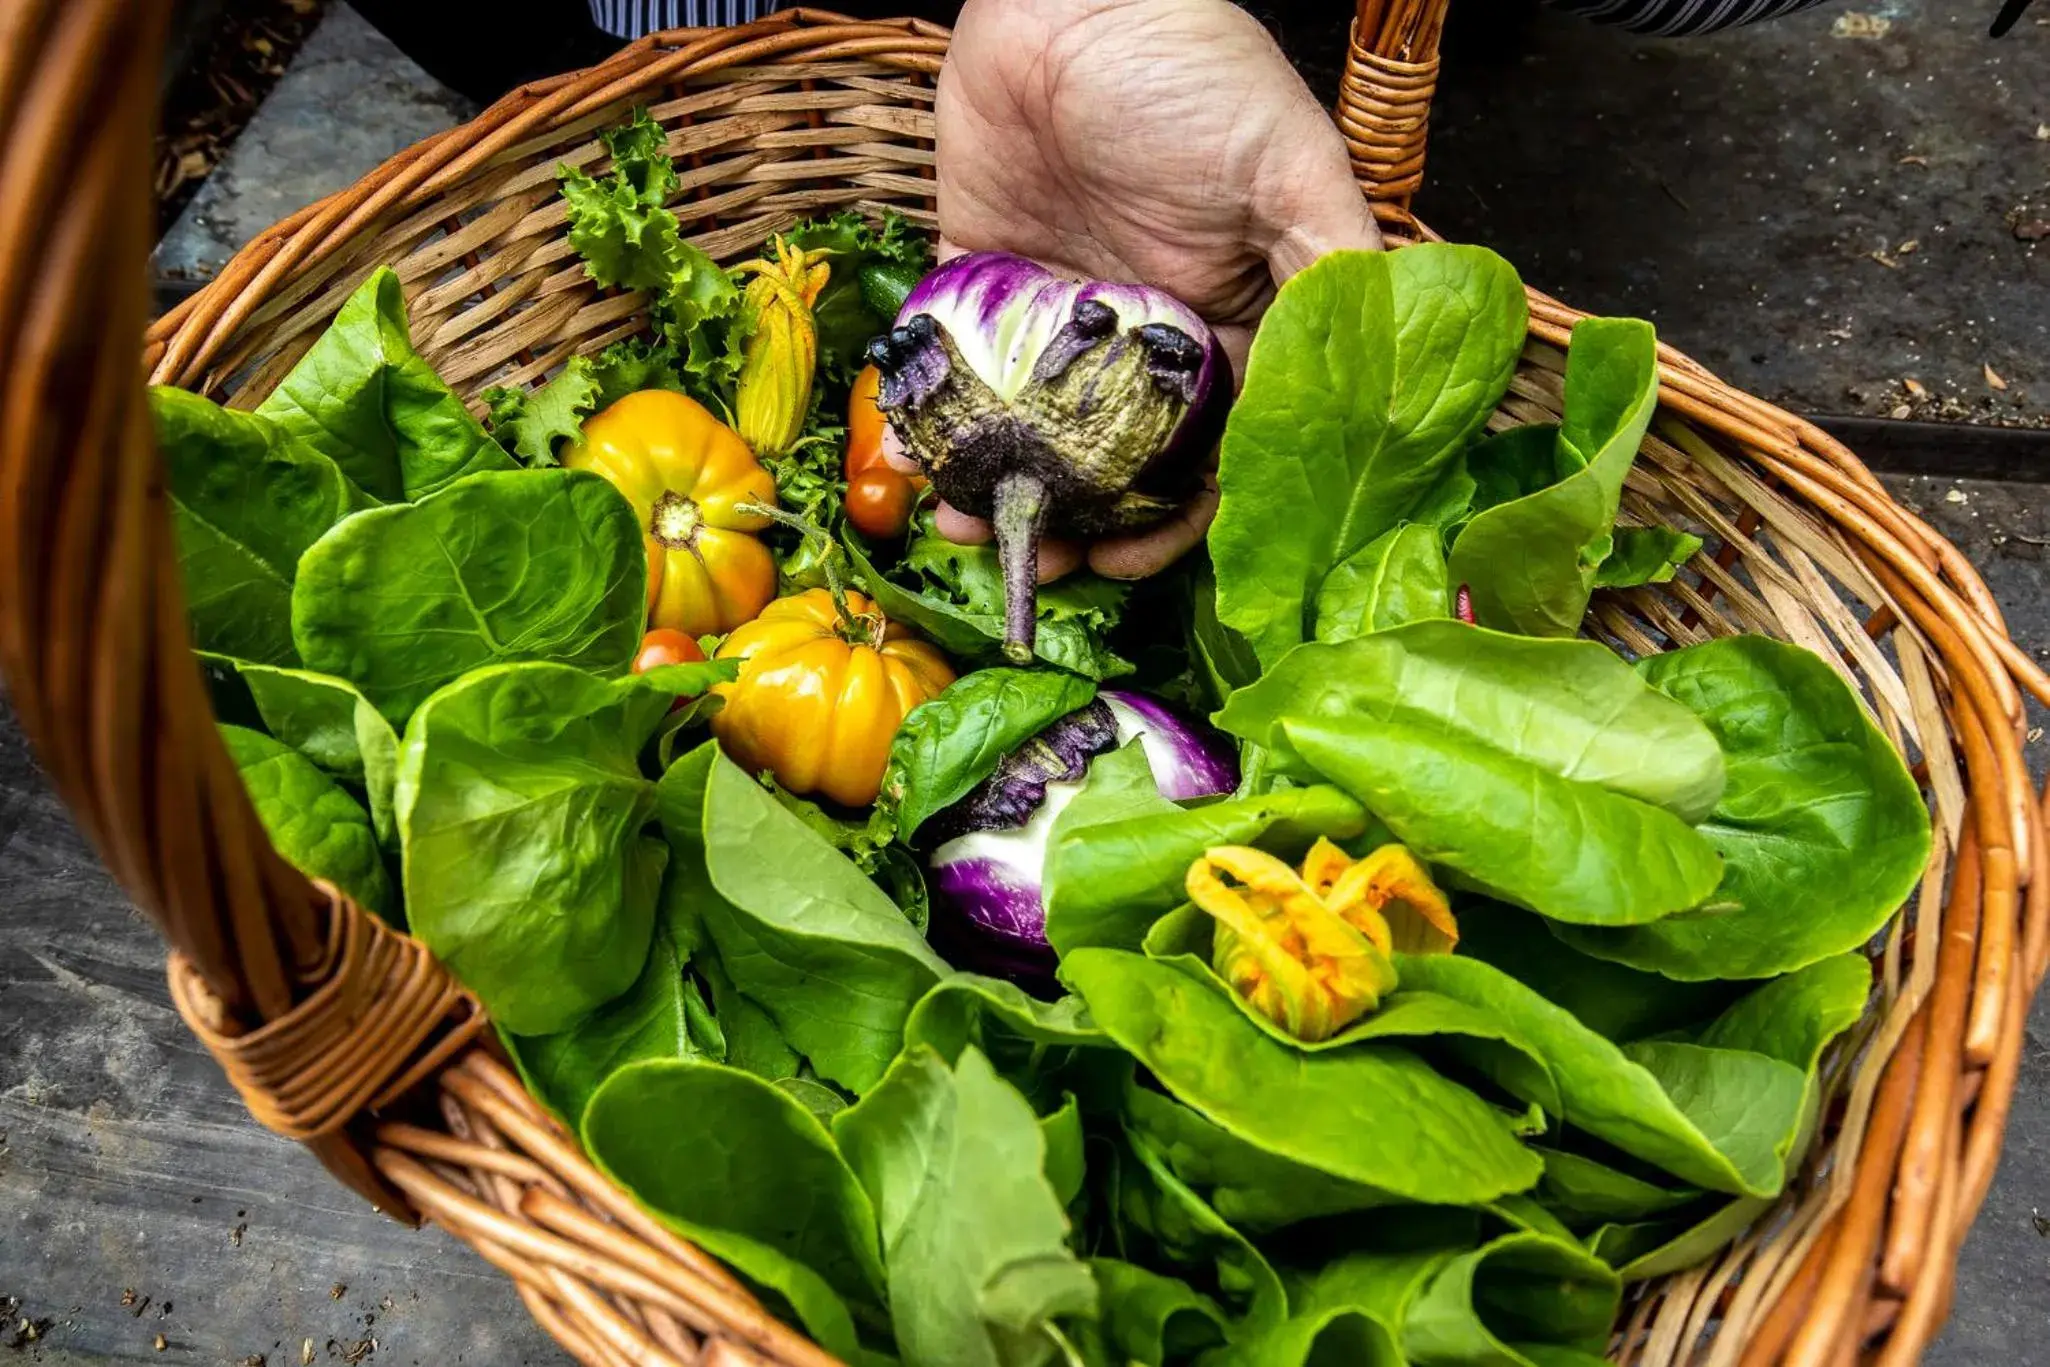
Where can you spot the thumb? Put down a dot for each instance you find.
(1323, 209)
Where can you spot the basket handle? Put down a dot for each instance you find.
(94, 646)
(1384, 98)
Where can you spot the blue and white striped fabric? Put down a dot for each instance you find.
(1666, 18)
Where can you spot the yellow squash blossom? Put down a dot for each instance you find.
(1311, 950)
(774, 390)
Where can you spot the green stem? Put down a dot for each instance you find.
(1019, 514)
(867, 632)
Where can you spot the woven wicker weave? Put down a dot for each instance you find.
(349, 1037)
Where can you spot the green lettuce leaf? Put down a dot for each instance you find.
(798, 928)
(247, 499)
(1544, 772)
(1531, 563)
(1367, 379)
(1822, 832)
(727, 1184)
(1397, 577)
(318, 828)
(973, 1233)
(541, 421)
(329, 722)
(363, 397)
(1328, 1110)
(521, 807)
(523, 565)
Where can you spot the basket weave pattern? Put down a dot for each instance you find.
(329, 1023)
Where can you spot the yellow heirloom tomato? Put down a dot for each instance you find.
(685, 473)
(821, 694)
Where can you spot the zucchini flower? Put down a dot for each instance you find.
(1311, 950)
(774, 391)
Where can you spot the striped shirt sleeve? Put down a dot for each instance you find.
(632, 18)
(1680, 18)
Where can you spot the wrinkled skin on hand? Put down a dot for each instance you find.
(1163, 141)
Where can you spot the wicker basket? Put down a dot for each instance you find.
(351, 1038)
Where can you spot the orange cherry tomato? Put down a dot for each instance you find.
(879, 502)
(666, 646)
(865, 422)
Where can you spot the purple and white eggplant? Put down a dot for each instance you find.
(986, 873)
(1051, 406)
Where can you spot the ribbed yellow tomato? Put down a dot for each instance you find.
(685, 473)
(821, 695)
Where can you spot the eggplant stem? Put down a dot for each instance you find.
(1018, 515)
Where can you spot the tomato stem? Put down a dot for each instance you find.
(862, 629)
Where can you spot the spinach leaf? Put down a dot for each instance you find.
(1066, 1167)
(798, 927)
(1514, 464)
(961, 1009)
(959, 604)
(951, 743)
(763, 1189)
(973, 1234)
(1350, 1310)
(1368, 377)
(1116, 861)
(521, 806)
(1529, 767)
(1582, 1191)
(1224, 658)
(1149, 1318)
(1718, 1118)
(1184, 1230)
(1397, 577)
(1329, 1111)
(653, 1019)
(1645, 555)
(247, 499)
(1531, 563)
(363, 397)
(318, 828)
(518, 565)
(1254, 1190)
(329, 722)
(1615, 1002)
(1518, 1289)
(1822, 833)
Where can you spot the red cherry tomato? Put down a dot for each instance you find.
(865, 423)
(666, 646)
(879, 502)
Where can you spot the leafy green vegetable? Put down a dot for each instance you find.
(317, 827)
(521, 565)
(627, 239)
(951, 743)
(798, 928)
(329, 722)
(974, 1236)
(1397, 577)
(1582, 1191)
(1368, 377)
(1613, 1001)
(1531, 563)
(247, 499)
(1530, 767)
(521, 805)
(364, 398)
(1119, 853)
(960, 1009)
(856, 303)
(543, 420)
(1517, 1289)
(958, 601)
(1821, 830)
(1224, 658)
(1331, 1111)
(748, 1172)
(653, 1019)
(1718, 1118)
(1149, 1318)
(1183, 1229)
(1645, 555)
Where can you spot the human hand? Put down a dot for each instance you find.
(1163, 141)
